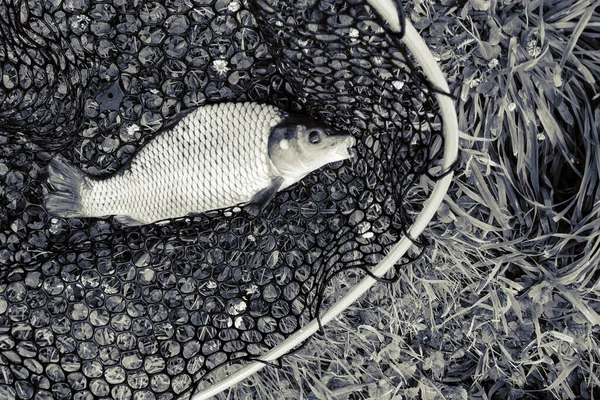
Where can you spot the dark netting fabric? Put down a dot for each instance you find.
(89, 309)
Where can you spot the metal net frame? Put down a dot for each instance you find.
(89, 309)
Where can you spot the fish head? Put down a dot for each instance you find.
(299, 145)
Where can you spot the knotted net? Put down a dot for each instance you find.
(89, 309)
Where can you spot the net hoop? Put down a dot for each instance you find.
(426, 61)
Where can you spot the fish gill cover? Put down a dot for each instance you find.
(90, 309)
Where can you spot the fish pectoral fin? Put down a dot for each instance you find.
(261, 200)
(127, 220)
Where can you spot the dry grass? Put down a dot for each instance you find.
(505, 303)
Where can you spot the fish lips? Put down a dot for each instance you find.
(343, 147)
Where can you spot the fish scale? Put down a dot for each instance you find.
(203, 151)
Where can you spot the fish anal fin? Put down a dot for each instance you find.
(264, 196)
(127, 220)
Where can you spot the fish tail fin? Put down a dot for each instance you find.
(67, 180)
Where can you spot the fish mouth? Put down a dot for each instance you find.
(344, 149)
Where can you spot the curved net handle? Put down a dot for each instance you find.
(419, 49)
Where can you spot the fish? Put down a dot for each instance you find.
(217, 156)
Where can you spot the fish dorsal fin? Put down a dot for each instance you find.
(264, 196)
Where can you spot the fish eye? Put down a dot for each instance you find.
(314, 137)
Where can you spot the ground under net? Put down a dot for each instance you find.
(90, 309)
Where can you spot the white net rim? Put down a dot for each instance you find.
(425, 59)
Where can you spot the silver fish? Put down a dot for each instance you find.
(217, 156)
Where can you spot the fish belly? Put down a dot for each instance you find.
(215, 157)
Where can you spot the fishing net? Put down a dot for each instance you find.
(90, 309)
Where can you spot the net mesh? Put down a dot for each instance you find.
(89, 309)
